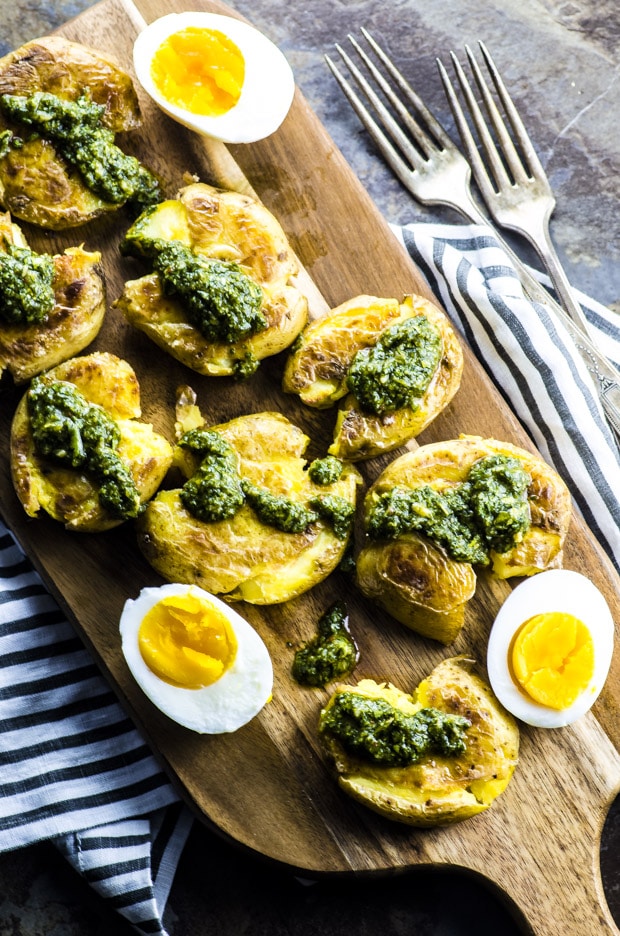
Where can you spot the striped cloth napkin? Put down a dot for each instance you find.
(74, 768)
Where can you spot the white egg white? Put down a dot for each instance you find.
(559, 590)
(268, 87)
(224, 706)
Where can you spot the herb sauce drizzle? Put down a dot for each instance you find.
(76, 130)
(377, 731)
(332, 653)
(488, 511)
(26, 286)
(72, 432)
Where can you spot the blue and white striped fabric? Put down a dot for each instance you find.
(73, 768)
(533, 361)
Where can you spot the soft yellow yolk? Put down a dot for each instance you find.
(553, 658)
(186, 641)
(200, 70)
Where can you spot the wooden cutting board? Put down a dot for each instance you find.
(267, 786)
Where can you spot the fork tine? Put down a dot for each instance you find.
(512, 157)
(427, 116)
(389, 152)
(521, 134)
(417, 149)
(480, 172)
(497, 166)
(403, 142)
(422, 140)
(399, 137)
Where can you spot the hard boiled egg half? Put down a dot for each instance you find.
(195, 658)
(550, 648)
(215, 74)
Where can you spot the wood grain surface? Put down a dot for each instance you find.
(267, 786)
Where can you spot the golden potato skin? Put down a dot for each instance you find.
(317, 368)
(437, 790)
(65, 494)
(75, 320)
(413, 580)
(230, 227)
(242, 558)
(417, 582)
(35, 184)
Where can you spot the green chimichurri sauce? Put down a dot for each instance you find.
(220, 300)
(332, 653)
(26, 290)
(275, 510)
(488, 511)
(214, 491)
(396, 371)
(375, 730)
(347, 564)
(9, 141)
(246, 366)
(326, 470)
(72, 432)
(76, 130)
(336, 510)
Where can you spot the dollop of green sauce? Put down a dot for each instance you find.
(72, 432)
(488, 511)
(216, 491)
(332, 653)
(278, 511)
(9, 141)
(396, 372)
(336, 510)
(220, 300)
(376, 731)
(326, 470)
(26, 285)
(246, 366)
(76, 130)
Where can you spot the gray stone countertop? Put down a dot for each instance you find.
(561, 62)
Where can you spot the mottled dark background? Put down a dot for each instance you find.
(561, 63)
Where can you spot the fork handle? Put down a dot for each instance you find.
(605, 375)
(541, 241)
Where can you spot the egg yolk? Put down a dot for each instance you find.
(200, 70)
(553, 658)
(186, 641)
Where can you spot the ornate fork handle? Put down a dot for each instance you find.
(604, 374)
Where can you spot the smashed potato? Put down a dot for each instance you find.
(221, 226)
(73, 322)
(438, 789)
(243, 557)
(318, 371)
(36, 183)
(415, 579)
(70, 495)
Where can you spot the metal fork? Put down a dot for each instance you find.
(513, 183)
(432, 168)
(426, 162)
